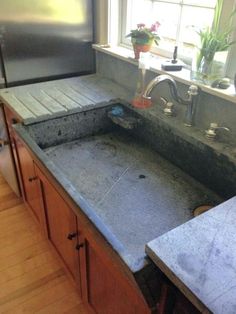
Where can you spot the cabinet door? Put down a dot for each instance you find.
(62, 226)
(103, 289)
(29, 179)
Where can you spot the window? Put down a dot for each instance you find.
(179, 21)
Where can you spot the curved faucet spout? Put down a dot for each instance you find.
(190, 101)
(172, 85)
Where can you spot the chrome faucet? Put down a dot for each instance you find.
(191, 101)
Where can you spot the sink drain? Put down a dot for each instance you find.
(201, 209)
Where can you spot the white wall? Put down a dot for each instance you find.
(101, 21)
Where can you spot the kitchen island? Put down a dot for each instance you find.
(199, 257)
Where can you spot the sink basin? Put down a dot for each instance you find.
(135, 194)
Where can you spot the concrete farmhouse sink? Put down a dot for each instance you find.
(127, 189)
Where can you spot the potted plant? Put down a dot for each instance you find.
(212, 40)
(143, 37)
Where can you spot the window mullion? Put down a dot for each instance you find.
(179, 23)
(187, 4)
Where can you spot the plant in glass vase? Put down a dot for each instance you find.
(213, 39)
(143, 37)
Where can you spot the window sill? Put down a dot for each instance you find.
(182, 76)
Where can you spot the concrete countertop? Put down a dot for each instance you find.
(199, 257)
(42, 101)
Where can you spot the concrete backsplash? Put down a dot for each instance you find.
(210, 108)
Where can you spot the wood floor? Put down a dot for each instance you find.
(32, 279)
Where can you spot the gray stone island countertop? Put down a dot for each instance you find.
(42, 101)
(200, 258)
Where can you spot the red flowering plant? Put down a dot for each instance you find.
(145, 35)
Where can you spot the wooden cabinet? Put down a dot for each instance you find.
(107, 292)
(29, 180)
(101, 289)
(61, 226)
(85, 257)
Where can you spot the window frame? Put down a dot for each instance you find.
(227, 7)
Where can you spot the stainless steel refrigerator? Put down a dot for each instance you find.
(42, 40)
(45, 39)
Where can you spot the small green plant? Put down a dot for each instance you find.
(215, 38)
(143, 35)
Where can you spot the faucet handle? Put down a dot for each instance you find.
(211, 132)
(169, 106)
(193, 90)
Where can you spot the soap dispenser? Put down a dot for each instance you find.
(139, 101)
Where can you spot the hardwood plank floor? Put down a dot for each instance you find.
(32, 279)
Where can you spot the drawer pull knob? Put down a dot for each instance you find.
(32, 179)
(79, 246)
(71, 236)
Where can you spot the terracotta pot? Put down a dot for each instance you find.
(140, 48)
